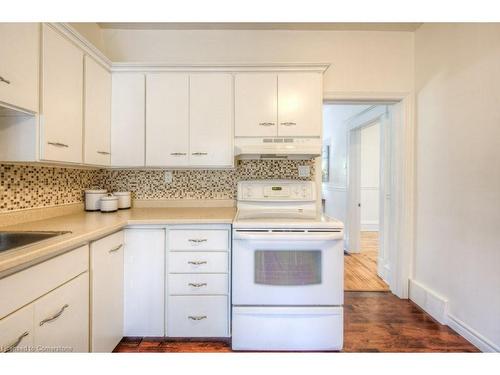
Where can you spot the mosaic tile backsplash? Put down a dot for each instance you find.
(23, 187)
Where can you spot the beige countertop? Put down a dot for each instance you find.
(88, 226)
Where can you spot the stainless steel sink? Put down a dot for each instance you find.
(12, 240)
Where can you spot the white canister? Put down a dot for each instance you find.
(93, 199)
(109, 203)
(124, 199)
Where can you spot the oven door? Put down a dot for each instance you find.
(280, 268)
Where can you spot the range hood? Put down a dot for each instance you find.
(277, 148)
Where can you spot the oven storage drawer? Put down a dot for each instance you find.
(197, 284)
(287, 328)
(198, 262)
(198, 316)
(195, 240)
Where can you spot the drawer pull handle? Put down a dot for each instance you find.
(288, 123)
(58, 144)
(197, 262)
(199, 153)
(115, 249)
(55, 316)
(197, 285)
(15, 344)
(177, 153)
(103, 152)
(266, 123)
(4, 80)
(197, 240)
(201, 317)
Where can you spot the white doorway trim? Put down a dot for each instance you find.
(403, 173)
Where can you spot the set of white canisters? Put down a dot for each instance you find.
(101, 200)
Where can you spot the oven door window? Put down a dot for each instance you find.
(288, 267)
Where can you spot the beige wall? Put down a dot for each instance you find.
(92, 32)
(458, 170)
(361, 60)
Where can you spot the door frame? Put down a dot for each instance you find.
(403, 172)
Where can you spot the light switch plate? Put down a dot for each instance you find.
(304, 171)
(168, 177)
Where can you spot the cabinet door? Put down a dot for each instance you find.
(300, 100)
(97, 128)
(144, 298)
(255, 106)
(62, 317)
(127, 120)
(62, 93)
(167, 119)
(211, 120)
(19, 43)
(16, 331)
(107, 292)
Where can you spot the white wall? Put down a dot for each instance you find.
(370, 177)
(361, 60)
(458, 173)
(335, 135)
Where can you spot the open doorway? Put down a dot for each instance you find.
(356, 176)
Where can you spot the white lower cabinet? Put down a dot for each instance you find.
(198, 316)
(106, 294)
(62, 318)
(144, 295)
(16, 331)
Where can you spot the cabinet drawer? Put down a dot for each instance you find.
(208, 240)
(199, 316)
(62, 317)
(198, 262)
(25, 286)
(198, 284)
(16, 331)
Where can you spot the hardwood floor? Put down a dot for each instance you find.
(373, 322)
(360, 269)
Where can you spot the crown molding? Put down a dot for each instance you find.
(270, 67)
(82, 42)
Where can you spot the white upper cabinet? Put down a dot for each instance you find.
(19, 61)
(127, 120)
(300, 104)
(62, 93)
(211, 120)
(256, 99)
(283, 104)
(97, 127)
(167, 119)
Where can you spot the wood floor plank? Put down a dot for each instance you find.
(373, 322)
(360, 269)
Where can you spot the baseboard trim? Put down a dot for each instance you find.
(369, 226)
(471, 335)
(431, 302)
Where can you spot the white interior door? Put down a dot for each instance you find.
(167, 119)
(353, 222)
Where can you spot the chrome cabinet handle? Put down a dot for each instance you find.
(197, 263)
(199, 153)
(178, 153)
(199, 240)
(266, 123)
(15, 344)
(58, 144)
(55, 316)
(115, 249)
(201, 317)
(197, 285)
(103, 152)
(288, 123)
(4, 80)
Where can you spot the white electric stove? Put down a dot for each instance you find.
(288, 266)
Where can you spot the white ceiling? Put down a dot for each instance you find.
(318, 26)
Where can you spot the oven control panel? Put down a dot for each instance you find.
(276, 190)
